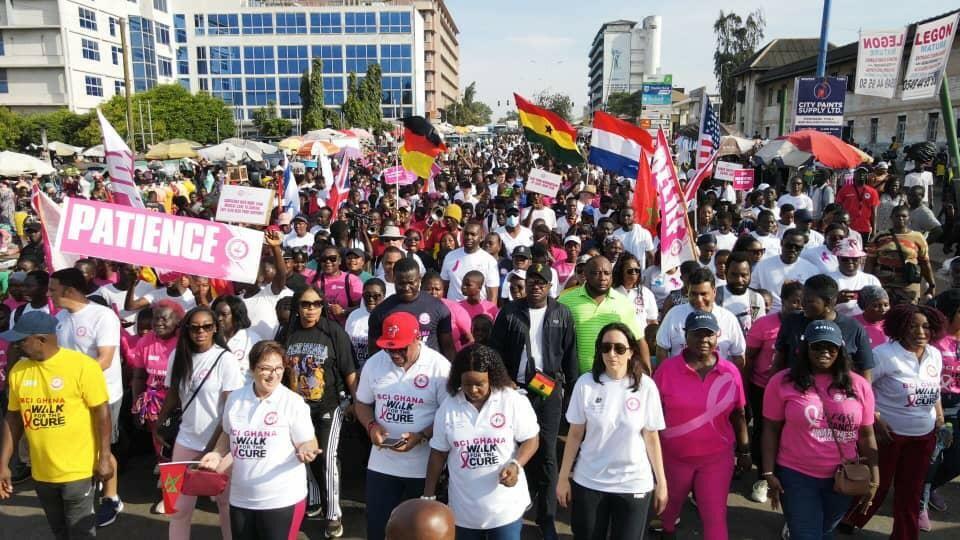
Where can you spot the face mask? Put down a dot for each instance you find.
(513, 221)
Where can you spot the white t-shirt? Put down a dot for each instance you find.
(264, 435)
(613, 455)
(458, 262)
(240, 345)
(770, 243)
(660, 283)
(644, 302)
(814, 239)
(536, 343)
(92, 327)
(200, 419)
(636, 241)
(906, 390)
(923, 178)
(672, 337)
(357, 327)
(853, 283)
(479, 444)
(799, 202)
(116, 298)
(548, 216)
(403, 402)
(822, 258)
(262, 310)
(291, 240)
(771, 273)
(186, 300)
(743, 306)
(524, 237)
(724, 241)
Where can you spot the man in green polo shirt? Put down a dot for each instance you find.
(595, 305)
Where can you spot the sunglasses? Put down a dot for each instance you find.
(197, 328)
(413, 239)
(632, 271)
(307, 304)
(618, 348)
(330, 259)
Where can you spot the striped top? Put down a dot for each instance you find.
(589, 318)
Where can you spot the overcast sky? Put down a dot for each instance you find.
(530, 45)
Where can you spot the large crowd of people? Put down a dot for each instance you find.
(461, 326)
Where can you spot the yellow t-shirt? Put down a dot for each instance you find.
(54, 398)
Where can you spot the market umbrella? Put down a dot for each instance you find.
(361, 133)
(785, 151)
(325, 134)
(230, 153)
(94, 151)
(192, 144)
(317, 148)
(63, 149)
(171, 150)
(290, 143)
(256, 146)
(734, 146)
(16, 164)
(827, 149)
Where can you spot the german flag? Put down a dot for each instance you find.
(421, 146)
(551, 131)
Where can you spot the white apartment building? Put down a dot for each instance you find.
(67, 53)
(621, 54)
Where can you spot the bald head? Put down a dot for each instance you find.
(599, 273)
(418, 519)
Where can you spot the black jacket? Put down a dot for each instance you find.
(559, 346)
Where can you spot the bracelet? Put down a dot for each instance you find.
(515, 462)
(874, 484)
(428, 498)
(766, 474)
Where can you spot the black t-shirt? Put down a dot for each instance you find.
(433, 316)
(856, 340)
(322, 359)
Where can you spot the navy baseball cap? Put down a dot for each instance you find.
(31, 324)
(828, 331)
(701, 320)
(802, 216)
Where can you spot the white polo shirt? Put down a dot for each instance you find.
(264, 435)
(906, 390)
(87, 330)
(403, 402)
(479, 444)
(672, 337)
(613, 454)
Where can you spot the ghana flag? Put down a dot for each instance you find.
(421, 146)
(546, 128)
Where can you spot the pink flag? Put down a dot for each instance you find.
(119, 159)
(49, 214)
(674, 236)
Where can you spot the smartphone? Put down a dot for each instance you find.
(392, 442)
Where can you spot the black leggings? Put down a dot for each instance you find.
(274, 524)
(594, 513)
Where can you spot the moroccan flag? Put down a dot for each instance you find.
(547, 129)
(421, 146)
(171, 480)
(645, 207)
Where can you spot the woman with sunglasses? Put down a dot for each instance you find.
(268, 483)
(626, 280)
(614, 417)
(342, 290)
(752, 247)
(203, 373)
(321, 368)
(233, 324)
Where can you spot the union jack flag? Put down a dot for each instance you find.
(709, 141)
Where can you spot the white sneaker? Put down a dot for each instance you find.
(759, 492)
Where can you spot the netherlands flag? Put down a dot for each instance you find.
(616, 145)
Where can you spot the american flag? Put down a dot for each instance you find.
(709, 140)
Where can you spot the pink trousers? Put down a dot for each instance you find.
(180, 521)
(709, 478)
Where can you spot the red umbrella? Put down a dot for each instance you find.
(826, 148)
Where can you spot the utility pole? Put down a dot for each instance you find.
(143, 135)
(127, 86)
(950, 129)
(150, 120)
(824, 27)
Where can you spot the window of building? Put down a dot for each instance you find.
(93, 86)
(229, 90)
(113, 26)
(360, 23)
(290, 113)
(2, 49)
(333, 93)
(847, 132)
(225, 61)
(331, 56)
(292, 59)
(180, 28)
(143, 53)
(257, 23)
(117, 88)
(396, 58)
(261, 91)
(394, 22)
(291, 23)
(202, 61)
(91, 49)
(198, 26)
(184, 82)
(204, 85)
(933, 125)
(183, 61)
(901, 128)
(223, 24)
(163, 34)
(325, 23)
(160, 5)
(259, 61)
(165, 66)
(766, 132)
(397, 91)
(359, 57)
(770, 93)
(4, 86)
(88, 20)
(874, 130)
(116, 53)
(289, 91)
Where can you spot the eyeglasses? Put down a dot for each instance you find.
(307, 304)
(267, 370)
(618, 348)
(197, 328)
(330, 259)
(632, 271)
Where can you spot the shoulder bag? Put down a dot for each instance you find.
(852, 478)
(170, 427)
(910, 271)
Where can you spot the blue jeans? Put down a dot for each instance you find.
(384, 493)
(510, 531)
(810, 505)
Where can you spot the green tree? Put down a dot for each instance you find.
(468, 111)
(311, 96)
(269, 123)
(371, 94)
(556, 102)
(353, 113)
(624, 104)
(737, 40)
(11, 125)
(511, 115)
(60, 125)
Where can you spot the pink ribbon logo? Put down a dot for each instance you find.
(721, 395)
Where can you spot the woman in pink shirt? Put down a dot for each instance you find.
(948, 468)
(703, 405)
(875, 304)
(342, 290)
(806, 434)
(761, 347)
(460, 321)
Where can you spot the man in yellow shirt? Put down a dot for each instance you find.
(58, 398)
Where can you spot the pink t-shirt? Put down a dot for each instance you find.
(874, 331)
(460, 322)
(763, 335)
(697, 411)
(335, 290)
(950, 375)
(807, 442)
(484, 307)
(152, 355)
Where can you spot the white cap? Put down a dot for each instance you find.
(572, 238)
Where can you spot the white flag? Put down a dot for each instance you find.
(119, 159)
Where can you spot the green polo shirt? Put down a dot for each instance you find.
(589, 318)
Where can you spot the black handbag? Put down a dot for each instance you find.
(910, 271)
(169, 428)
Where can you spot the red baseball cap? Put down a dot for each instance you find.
(399, 330)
